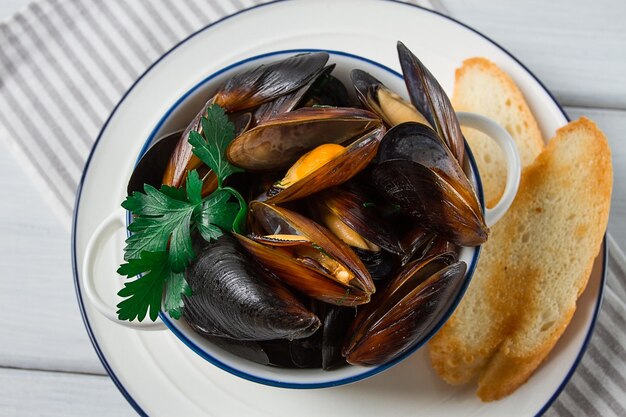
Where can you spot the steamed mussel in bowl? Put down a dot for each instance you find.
(306, 220)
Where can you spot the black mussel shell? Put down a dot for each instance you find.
(419, 143)
(233, 296)
(320, 350)
(417, 172)
(307, 352)
(336, 323)
(290, 101)
(242, 121)
(353, 207)
(405, 313)
(416, 243)
(380, 264)
(423, 195)
(430, 99)
(327, 91)
(266, 82)
(150, 168)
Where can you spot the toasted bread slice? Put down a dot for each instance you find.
(482, 87)
(534, 267)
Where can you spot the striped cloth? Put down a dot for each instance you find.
(64, 64)
(598, 387)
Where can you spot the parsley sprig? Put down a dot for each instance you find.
(160, 248)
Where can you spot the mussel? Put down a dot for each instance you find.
(335, 325)
(321, 89)
(406, 312)
(307, 256)
(234, 297)
(327, 91)
(324, 168)
(320, 350)
(375, 96)
(323, 349)
(430, 99)
(249, 89)
(417, 172)
(347, 214)
(276, 144)
(244, 91)
(420, 243)
(149, 169)
(327, 146)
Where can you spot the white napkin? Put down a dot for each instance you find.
(64, 64)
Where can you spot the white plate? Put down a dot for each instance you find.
(161, 376)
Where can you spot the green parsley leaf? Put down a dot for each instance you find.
(217, 213)
(175, 287)
(173, 192)
(219, 132)
(194, 188)
(239, 222)
(144, 293)
(162, 219)
(160, 245)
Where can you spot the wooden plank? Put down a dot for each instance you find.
(50, 394)
(40, 324)
(577, 48)
(613, 124)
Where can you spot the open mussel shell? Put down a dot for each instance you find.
(242, 122)
(380, 264)
(242, 92)
(356, 212)
(420, 243)
(419, 174)
(338, 170)
(327, 91)
(375, 96)
(419, 143)
(251, 88)
(235, 297)
(406, 312)
(288, 102)
(150, 168)
(430, 99)
(353, 219)
(335, 325)
(423, 194)
(276, 144)
(301, 272)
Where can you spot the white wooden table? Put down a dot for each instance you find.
(47, 364)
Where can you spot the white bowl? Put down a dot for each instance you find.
(178, 116)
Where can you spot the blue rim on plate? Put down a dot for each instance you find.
(342, 381)
(92, 337)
